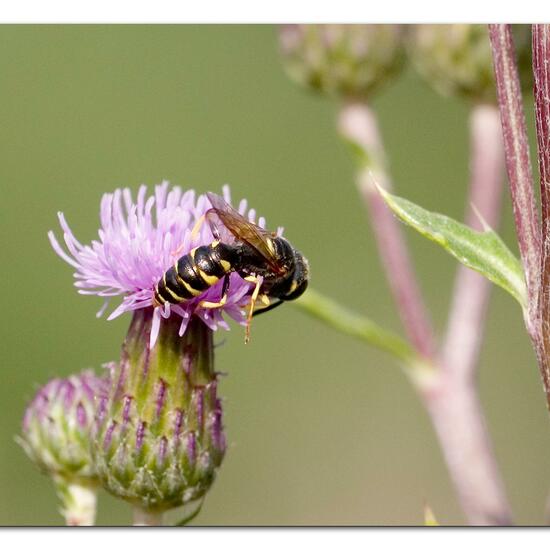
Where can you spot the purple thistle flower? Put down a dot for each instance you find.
(137, 242)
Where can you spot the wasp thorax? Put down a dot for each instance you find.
(291, 282)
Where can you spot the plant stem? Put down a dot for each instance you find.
(471, 290)
(453, 405)
(521, 179)
(147, 518)
(541, 71)
(453, 401)
(518, 166)
(358, 125)
(79, 502)
(356, 325)
(447, 390)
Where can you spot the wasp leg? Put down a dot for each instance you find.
(214, 305)
(258, 282)
(223, 299)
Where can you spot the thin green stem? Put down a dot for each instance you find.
(353, 324)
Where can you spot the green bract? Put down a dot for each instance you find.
(482, 251)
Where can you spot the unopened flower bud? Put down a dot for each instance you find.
(159, 436)
(457, 59)
(56, 437)
(351, 61)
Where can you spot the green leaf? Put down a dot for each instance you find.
(482, 251)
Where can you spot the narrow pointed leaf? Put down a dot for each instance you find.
(429, 517)
(481, 251)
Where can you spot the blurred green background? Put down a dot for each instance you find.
(322, 429)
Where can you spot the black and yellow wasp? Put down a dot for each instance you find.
(278, 271)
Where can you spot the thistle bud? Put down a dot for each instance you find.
(351, 61)
(457, 59)
(159, 437)
(56, 437)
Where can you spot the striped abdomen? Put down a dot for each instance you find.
(194, 273)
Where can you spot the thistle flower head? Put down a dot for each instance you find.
(457, 59)
(159, 439)
(56, 426)
(352, 61)
(137, 242)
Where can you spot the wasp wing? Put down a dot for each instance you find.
(218, 228)
(241, 229)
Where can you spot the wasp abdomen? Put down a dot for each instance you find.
(195, 273)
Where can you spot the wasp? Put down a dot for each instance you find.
(278, 271)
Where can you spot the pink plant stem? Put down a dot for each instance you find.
(449, 394)
(518, 166)
(541, 71)
(357, 123)
(455, 411)
(452, 398)
(471, 291)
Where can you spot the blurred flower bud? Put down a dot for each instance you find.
(56, 437)
(457, 59)
(159, 436)
(352, 61)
